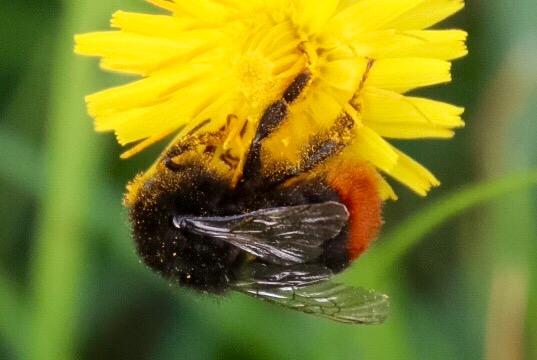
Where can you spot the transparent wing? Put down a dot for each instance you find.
(326, 299)
(283, 235)
(258, 275)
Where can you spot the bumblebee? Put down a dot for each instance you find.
(279, 236)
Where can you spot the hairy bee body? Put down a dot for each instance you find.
(277, 236)
(204, 263)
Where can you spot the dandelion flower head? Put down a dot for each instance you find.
(228, 60)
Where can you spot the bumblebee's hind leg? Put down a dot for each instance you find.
(321, 147)
(327, 144)
(270, 121)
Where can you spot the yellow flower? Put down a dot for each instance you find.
(227, 60)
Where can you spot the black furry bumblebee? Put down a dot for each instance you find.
(279, 236)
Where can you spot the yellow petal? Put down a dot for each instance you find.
(343, 76)
(312, 15)
(142, 145)
(413, 175)
(201, 10)
(322, 108)
(385, 190)
(410, 130)
(425, 14)
(142, 122)
(140, 54)
(434, 44)
(164, 4)
(155, 25)
(368, 15)
(147, 91)
(402, 75)
(369, 146)
(396, 116)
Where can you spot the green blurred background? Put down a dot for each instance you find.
(460, 265)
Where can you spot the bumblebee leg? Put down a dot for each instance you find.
(322, 146)
(178, 149)
(271, 119)
(188, 144)
(325, 145)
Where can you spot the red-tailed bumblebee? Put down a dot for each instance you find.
(278, 236)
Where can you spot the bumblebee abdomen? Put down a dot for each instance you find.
(194, 261)
(172, 238)
(352, 184)
(335, 253)
(357, 187)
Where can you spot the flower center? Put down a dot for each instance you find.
(255, 79)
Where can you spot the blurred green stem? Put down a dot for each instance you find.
(27, 175)
(24, 170)
(13, 315)
(71, 153)
(392, 246)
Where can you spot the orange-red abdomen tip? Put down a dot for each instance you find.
(357, 187)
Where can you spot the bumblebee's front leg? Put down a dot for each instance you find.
(209, 140)
(270, 121)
